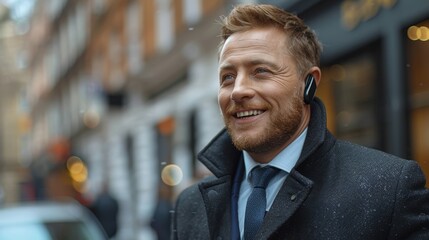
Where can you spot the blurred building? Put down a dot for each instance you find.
(121, 93)
(14, 121)
(124, 93)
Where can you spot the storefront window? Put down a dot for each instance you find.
(417, 49)
(348, 90)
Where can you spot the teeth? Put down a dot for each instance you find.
(249, 113)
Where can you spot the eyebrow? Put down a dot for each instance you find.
(263, 62)
(252, 62)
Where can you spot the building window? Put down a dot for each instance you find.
(149, 30)
(99, 6)
(178, 12)
(54, 8)
(165, 34)
(209, 6)
(192, 11)
(348, 89)
(417, 50)
(133, 27)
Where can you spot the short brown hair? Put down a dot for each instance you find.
(303, 46)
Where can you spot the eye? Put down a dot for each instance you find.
(226, 78)
(262, 71)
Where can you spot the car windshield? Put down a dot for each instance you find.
(47, 231)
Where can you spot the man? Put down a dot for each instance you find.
(106, 210)
(321, 188)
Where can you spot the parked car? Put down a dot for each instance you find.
(49, 221)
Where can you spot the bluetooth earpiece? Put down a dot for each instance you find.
(310, 89)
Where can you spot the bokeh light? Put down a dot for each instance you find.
(91, 119)
(172, 175)
(78, 172)
(415, 33)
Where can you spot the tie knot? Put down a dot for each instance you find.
(261, 176)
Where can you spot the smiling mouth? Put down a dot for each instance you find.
(249, 113)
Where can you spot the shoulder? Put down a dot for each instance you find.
(361, 155)
(367, 165)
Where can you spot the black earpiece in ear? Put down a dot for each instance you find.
(310, 89)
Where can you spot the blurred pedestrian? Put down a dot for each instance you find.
(161, 220)
(278, 172)
(106, 209)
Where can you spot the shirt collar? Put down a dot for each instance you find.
(285, 160)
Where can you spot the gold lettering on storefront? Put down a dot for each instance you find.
(353, 12)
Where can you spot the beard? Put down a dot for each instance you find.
(279, 130)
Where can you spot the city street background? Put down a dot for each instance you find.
(120, 96)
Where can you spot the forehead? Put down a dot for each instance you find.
(258, 40)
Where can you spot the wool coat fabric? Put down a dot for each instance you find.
(338, 190)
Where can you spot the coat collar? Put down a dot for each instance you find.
(317, 132)
(221, 158)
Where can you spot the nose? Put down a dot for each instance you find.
(243, 89)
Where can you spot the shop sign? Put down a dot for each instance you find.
(353, 12)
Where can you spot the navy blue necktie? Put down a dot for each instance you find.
(257, 202)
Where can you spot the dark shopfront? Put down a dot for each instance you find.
(375, 71)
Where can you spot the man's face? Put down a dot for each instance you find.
(261, 94)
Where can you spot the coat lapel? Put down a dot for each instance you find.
(221, 158)
(216, 195)
(290, 197)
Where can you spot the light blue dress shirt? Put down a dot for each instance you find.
(285, 160)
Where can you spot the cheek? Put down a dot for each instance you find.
(222, 99)
(281, 98)
(286, 90)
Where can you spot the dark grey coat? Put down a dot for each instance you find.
(338, 190)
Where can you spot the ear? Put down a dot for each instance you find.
(317, 74)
